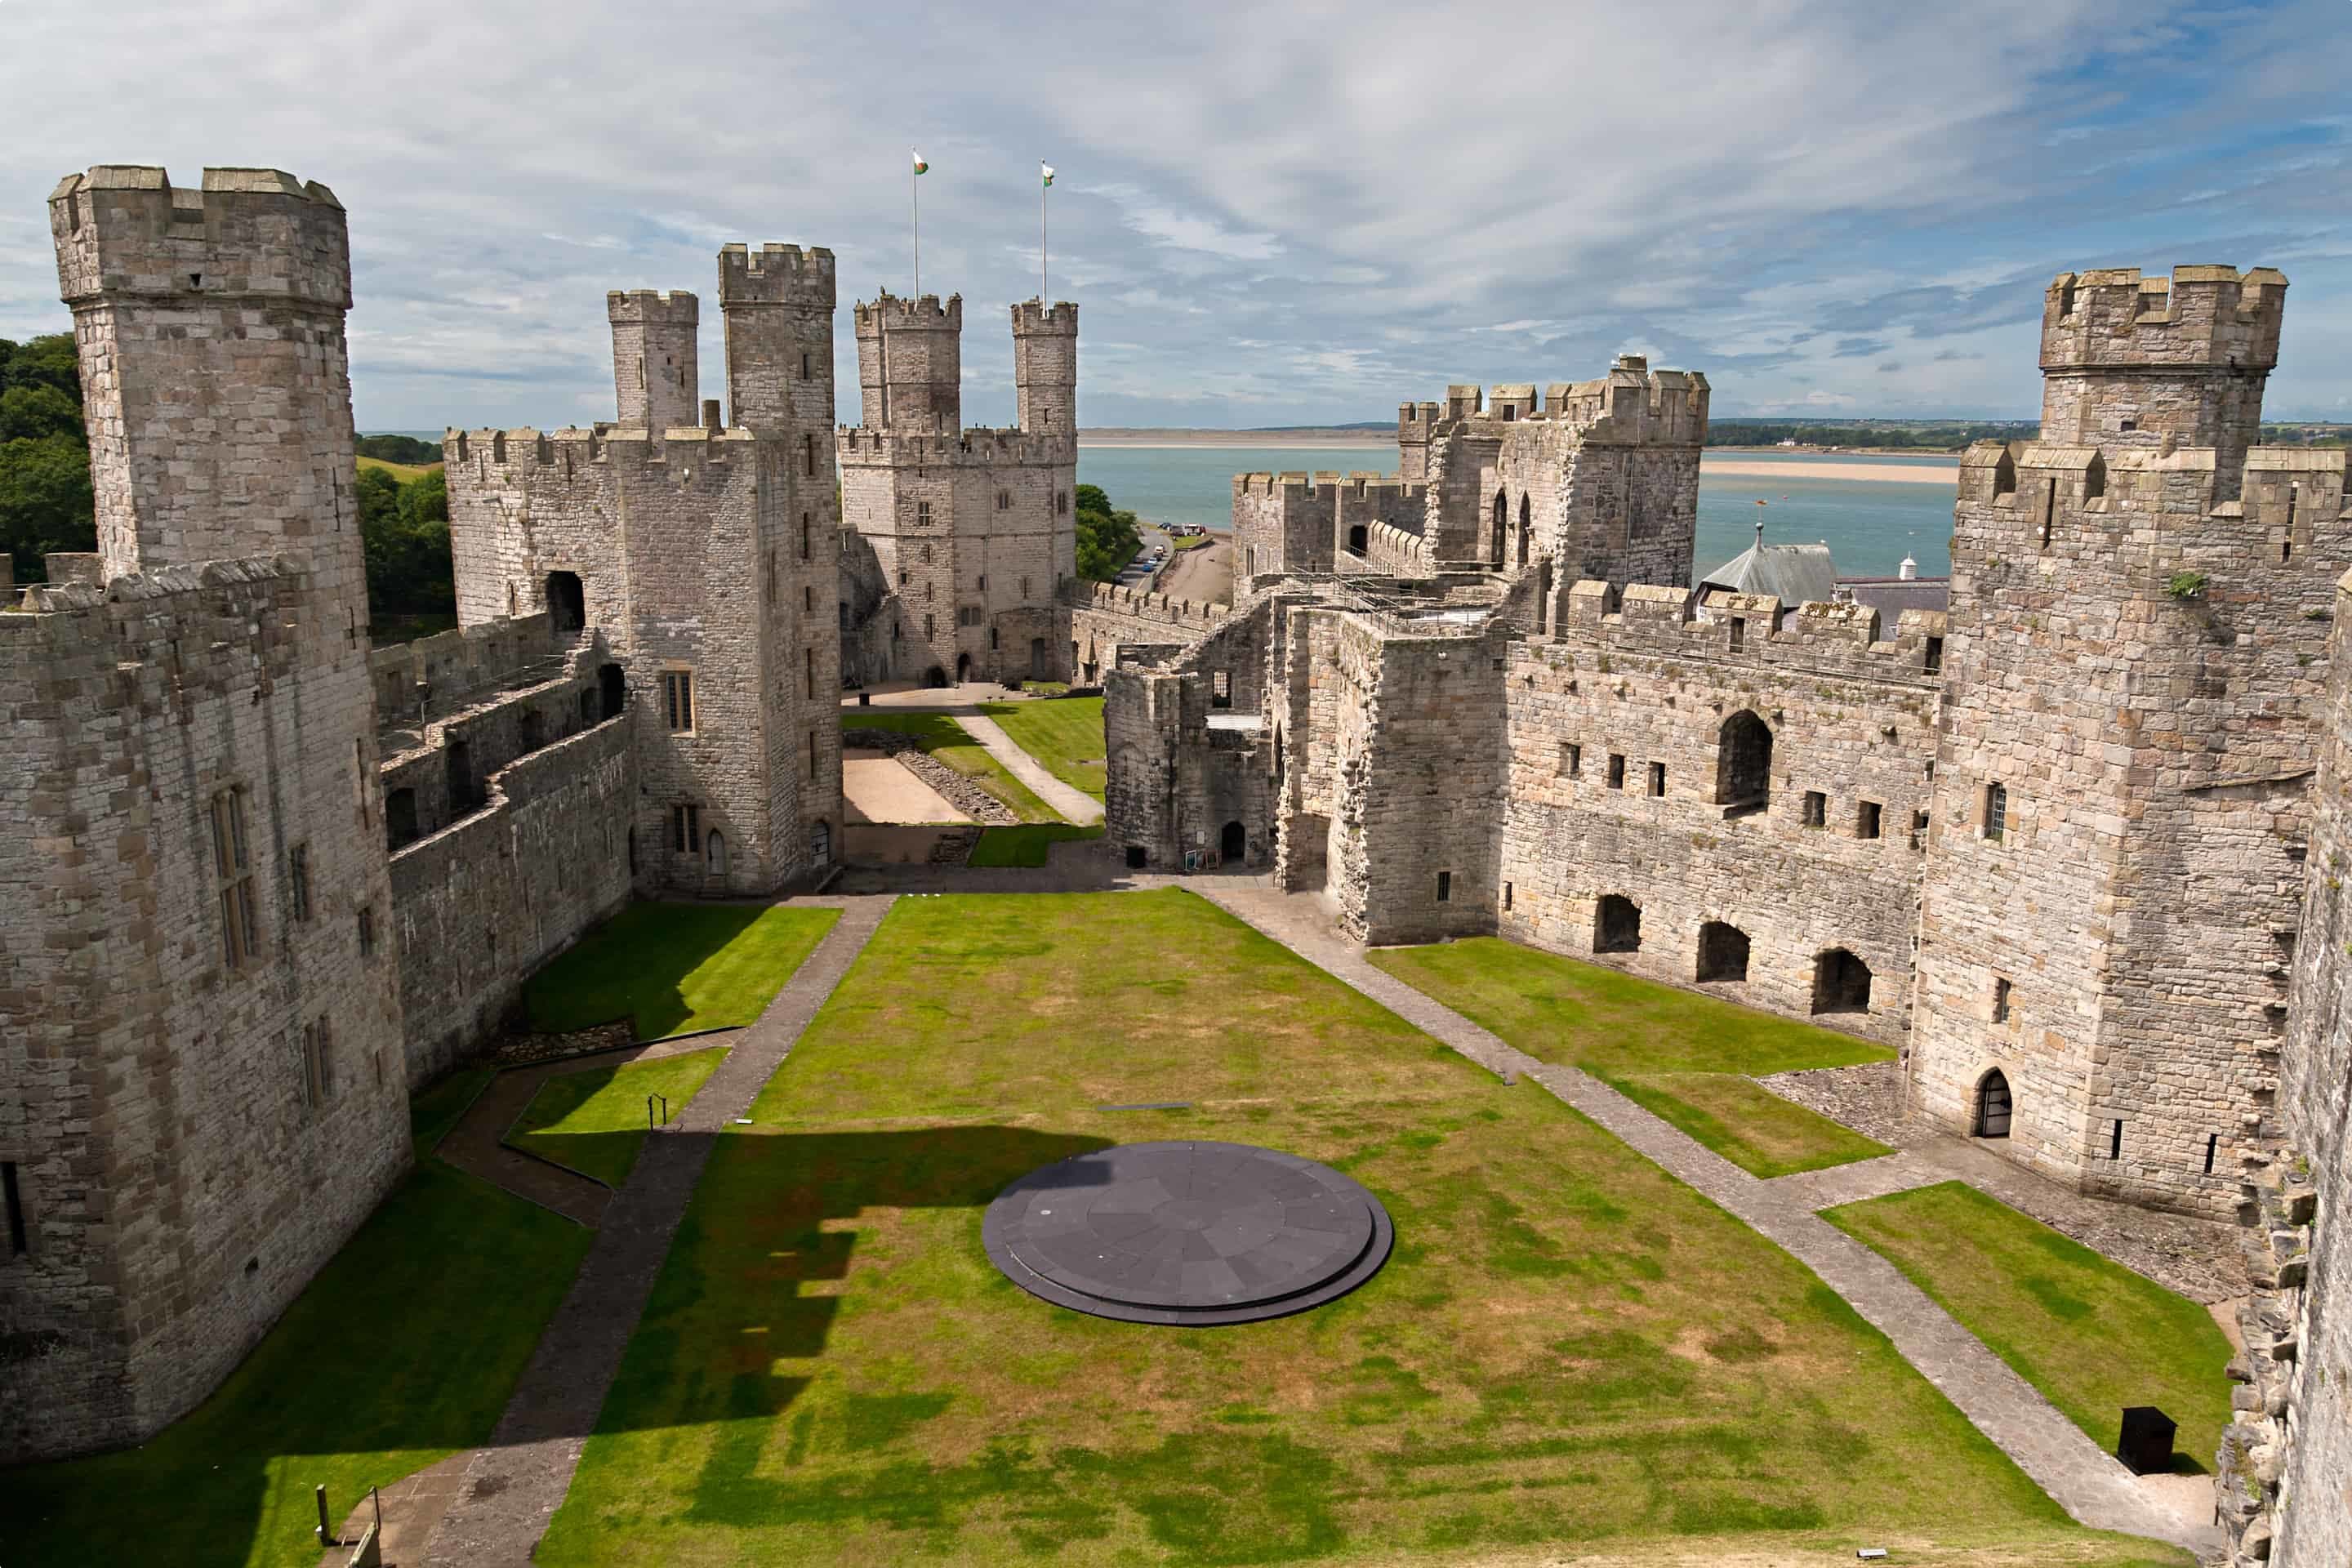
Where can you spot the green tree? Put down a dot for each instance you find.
(1107, 539)
(47, 361)
(38, 411)
(45, 501)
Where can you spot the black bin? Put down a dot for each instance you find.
(2146, 1445)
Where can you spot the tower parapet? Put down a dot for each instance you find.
(2137, 362)
(777, 303)
(1045, 365)
(910, 362)
(656, 357)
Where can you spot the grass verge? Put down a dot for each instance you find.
(1568, 1346)
(1028, 846)
(404, 472)
(2092, 1335)
(948, 740)
(401, 1352)
(595, 1121)
(1065, 735)
(671, 969)
(435, 1114)
(1685, 1057)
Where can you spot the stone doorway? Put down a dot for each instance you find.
(1722, 952)
(1234, 843)
(567, 603)
(1840, 983)
(1993, 1105)
(612, 689)
(1617, 925)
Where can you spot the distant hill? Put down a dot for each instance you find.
(406, 450)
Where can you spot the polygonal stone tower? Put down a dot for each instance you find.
(656, 357)
(1045, 366)
(778, 306)
(910, 363)
(2136, 653)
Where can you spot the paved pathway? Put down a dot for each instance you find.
(1074, 804)
(513, 1487)
(2089, 1484)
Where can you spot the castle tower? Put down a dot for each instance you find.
(910, 363)
(233, 436)
(2129, 361)
(201, 1051)
(2134, 660)
(778, 309)
(1045, 366)
(657, 359)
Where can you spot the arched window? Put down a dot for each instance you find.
(1840, 983)
(1722, 952)
(1743, 762)
(1992, 1108)
(1617, 924)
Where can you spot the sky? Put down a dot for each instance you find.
(1269, 214)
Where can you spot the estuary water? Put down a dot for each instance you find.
(1904, 506)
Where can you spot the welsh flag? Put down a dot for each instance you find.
(1049, 172)
(920, 167)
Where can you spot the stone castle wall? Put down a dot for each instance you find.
(1104, 619)
(181, 1180)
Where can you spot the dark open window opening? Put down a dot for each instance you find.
(1232, 844)
(2002, 990)
(1840, 983)
(1136, 857)
(1817, 808)
(1867, 818)
(1444, 887)
(1357, 539)
(2212, 1143)
(1502, 519)
(1616, 771)
(1571, 759)
(400, 818)
(1617, 924)
(567, 602)
(1993, 1105)
(1526, 527)
(1743, 762)
(612, 690)
(1722, 952)
(1739, 632)
(1657, 780)
(2116, 1139)
(1933, 662)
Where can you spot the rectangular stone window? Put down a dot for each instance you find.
(1571, 759)
(808, 670)
(922, 514)
(1616, 771)
(1220, 689)
(804, 364)
(1061, 503)
(2212, 1143)
(677, 699)
(1817, 808)
(233, 879)
(1933, 662)
(685, 829)
(2000, 995)
(1445, 886)
(1739, 632)
(1918, 830)
(808, 457)
(318, 1064)
(1657, 780)
(811, 753)
(11, 1193)
(1025, 587)
(1866, 816)
(1996, 812)
(2116, 1139)
(367, 930)
(808, 598)
(298, 880)
(805, 536)
(1506, 896)
(359, 777)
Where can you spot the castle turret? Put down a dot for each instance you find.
(657, 363)
(910, 363)
(2128, 361)
(778, 308)
(1045, 365)
(210, 325)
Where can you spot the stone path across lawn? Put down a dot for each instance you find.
(2089, 1484)
(1074, 804)
(513, 1487)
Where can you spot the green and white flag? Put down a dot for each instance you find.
(920, 167)
(1049, 172)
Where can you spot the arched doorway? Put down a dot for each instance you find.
(1993, 1105)
(821, 845)
(1722, 952)
(1502, 519)
(935, 675)
(1357, 539)
(714, 855)
(963, 667)
(567, 603)
(1234, 843)
(1743, 762)
(1526, 527)
(1617, 924)
(612, 689)
(1840, 983)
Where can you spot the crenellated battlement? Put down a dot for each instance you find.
(1035, 317)
(1361, 484)
(602, 453)
(1749, 630)
(776, 275)
(2213, 317)
(889, 313)
(860, 445)
(2288, 485)
(174, 634)
(125, 230)
(1632, 405)
(1195, 614)
(654, 307)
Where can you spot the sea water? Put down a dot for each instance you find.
(1869, 524)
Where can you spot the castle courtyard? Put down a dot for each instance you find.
(1570, 1345)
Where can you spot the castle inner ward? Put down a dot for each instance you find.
(2065, 845)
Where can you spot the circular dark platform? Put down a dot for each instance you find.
(1187, 1233)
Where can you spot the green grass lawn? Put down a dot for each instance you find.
(1684, 1057)
(1065, 734)
(435, 1114)
(948, 740)
(402, 1351)
(595, 1121)
(2092, 1335)
(676, 968)
(1567, 1347)
(1026, 846)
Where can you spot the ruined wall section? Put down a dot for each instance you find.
(2281, 1471)
(1104, 618)
(1191, 753)
(181, 1181)
(1852, 720)
(2135, 663)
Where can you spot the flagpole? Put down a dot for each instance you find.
(1044, 289)
(915, 206)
